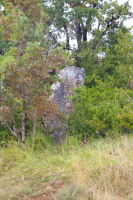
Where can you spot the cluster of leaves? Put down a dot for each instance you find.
(99, 110)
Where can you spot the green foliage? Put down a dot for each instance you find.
(111, 66)
(39, 144)
(99, 110)
(32, 56)
(5, 136)
(78, 19)
(125, 121)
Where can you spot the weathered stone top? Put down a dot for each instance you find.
(74, 74)
(72, 77)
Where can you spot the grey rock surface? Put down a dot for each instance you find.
(71, 77)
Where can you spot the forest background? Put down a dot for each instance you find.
(31, 56)
(95, 161)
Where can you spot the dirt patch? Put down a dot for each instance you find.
(49, 191)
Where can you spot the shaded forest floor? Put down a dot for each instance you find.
(97, 170)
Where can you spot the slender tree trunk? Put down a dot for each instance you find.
(15, 133)
(34, 125)
(14, 130)
(24, 115)
(78, 36)
(67, 37)
(85, 35)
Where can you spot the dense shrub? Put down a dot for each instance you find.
(100, 110)
(5, 134)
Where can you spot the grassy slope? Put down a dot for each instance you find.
(100, 170)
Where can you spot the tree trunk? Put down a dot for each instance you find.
(78, 36)
(85, 35)
(24, 115)
(67, 37)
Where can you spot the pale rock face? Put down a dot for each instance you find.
(74, 74)
(71, 77)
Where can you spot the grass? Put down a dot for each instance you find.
(100, 170)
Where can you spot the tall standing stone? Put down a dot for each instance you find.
(71, 77)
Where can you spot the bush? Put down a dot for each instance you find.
(100, 110)
(125, 122)
(5, 134)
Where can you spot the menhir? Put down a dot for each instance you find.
(71, 77)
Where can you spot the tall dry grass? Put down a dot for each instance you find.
(101, 170)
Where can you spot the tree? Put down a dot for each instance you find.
(26, 67)
(79, 18)
(114, 66)
(119, 60)
(3, 44)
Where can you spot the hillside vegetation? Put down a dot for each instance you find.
(95, 161)
(31, 57)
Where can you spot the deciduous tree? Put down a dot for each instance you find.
(26, 67)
